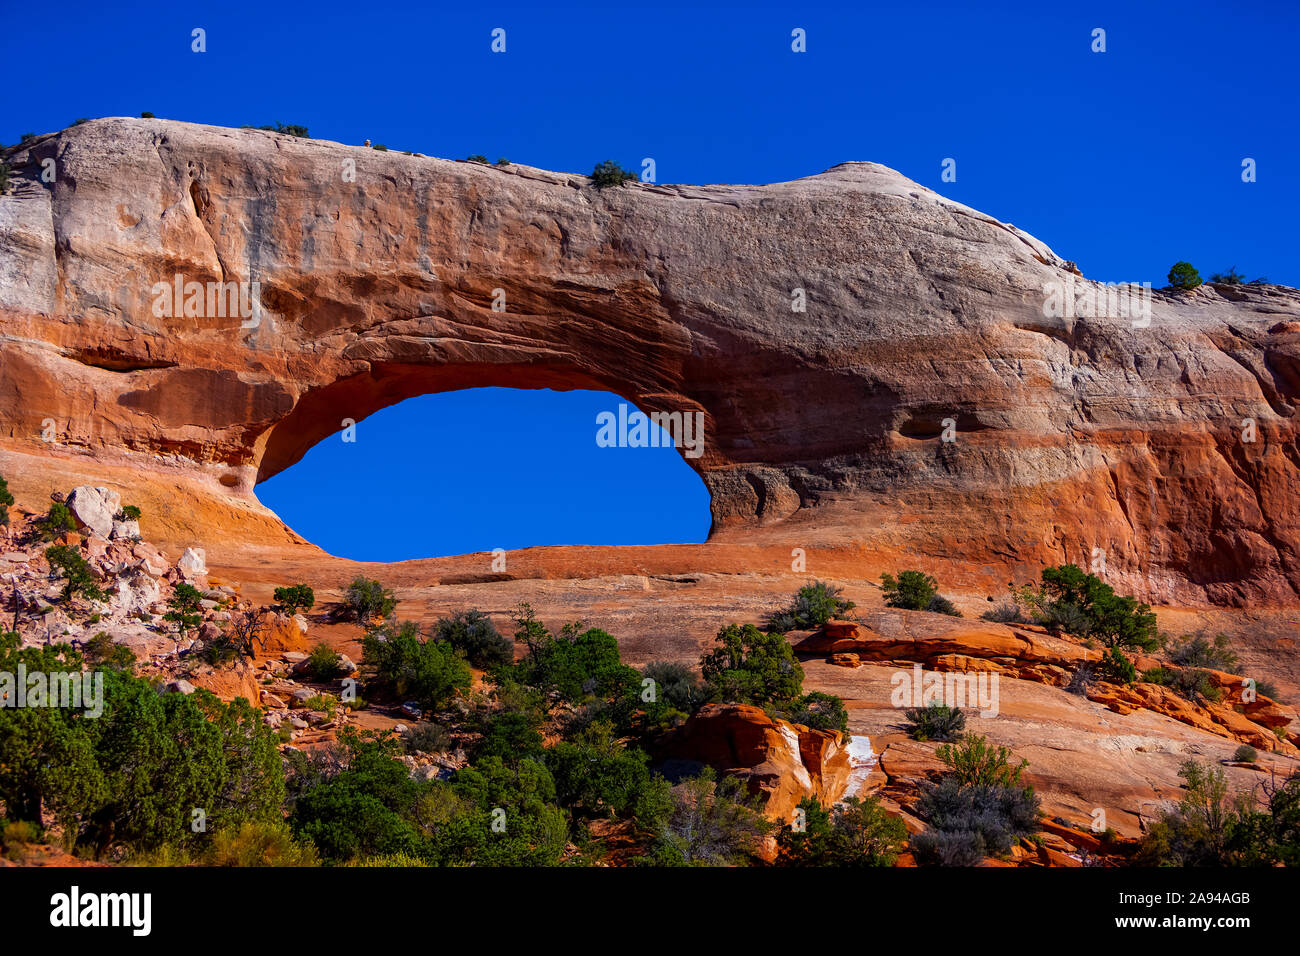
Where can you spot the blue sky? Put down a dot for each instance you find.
(1124, 161)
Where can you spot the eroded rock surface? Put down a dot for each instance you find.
(823, 427)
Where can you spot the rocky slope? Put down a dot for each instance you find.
(377, 277)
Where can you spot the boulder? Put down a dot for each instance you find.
(94, 508)
(780, 762)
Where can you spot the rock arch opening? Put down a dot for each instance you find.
(475, 469)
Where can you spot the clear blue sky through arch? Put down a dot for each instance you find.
(484, 468)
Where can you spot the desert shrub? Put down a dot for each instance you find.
(855, 833)
(675, 686)
(4, 176)
(502, 161)
(146, 115)
(1085, 606)
(1200, 651)
(428, 671)
(57, 522)
(128, 513)
(1115, 666)
(749, 666)
(1231, 277)
(474, 635)
(935, 722)
(1194, 684)
(813, 605)
(102, 651)
(610, 173)
(975, 762)
(948, 848)
(1266, 688)
(576, 663)
(366, 599)
(185, 608)
(511, 735)
(78, 576)
(289, 129)
(997, 813)
(1210, 826)
(1081, 679)
(6, 497)
(1245, 754)
(325, 663)
(941, 605)
(912, 590)
(1005, 613)
(711, 823)
(595, 774)
(260, 844)
(381, 147)
(819, 711)
(125, 782)
(1183, 275)
(427, 737)
(298, 597)
(477, 158)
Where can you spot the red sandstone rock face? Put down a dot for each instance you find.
(822, 427)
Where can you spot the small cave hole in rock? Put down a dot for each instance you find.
(483, 468)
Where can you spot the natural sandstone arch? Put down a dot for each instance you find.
(1074, 433)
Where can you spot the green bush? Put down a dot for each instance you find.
(1245, 754)
(1085, 606)
(974, 820)
(185, 604)
(79, 577)
(855, 833)
(1183, 275)
(6, 497)
(427, 671)
(57, 522)
(749, 666)
(575, 663)
(1005, 613)
(711, 822)
(813, 605)
(128, 513)
(502, 161)
(146, 115)
(675, 686)
(595, 774)
(911, 589)
(610, 173)
(935, 722)
(819, 711)
(297, 598)
(1211, 826)
(1200, 651)
(974, 761)
(260, 844)
(125, 783)
(1117, 668)
(366, 599)
(325, 663)
(916, 591)
(477, 158)
(474, 635)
